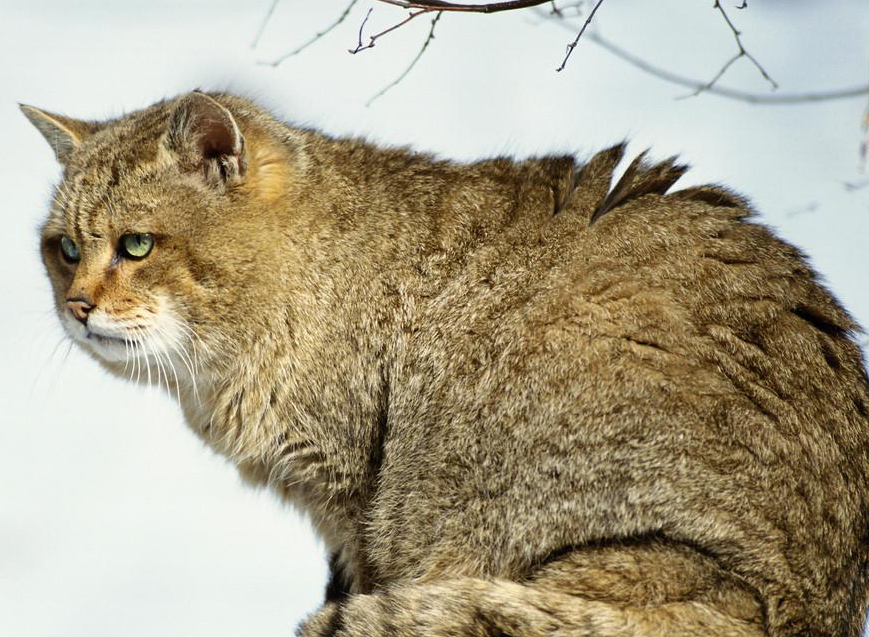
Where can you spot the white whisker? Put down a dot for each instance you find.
(184, 356)
(158, 361)
(193, 337)
(161, 372)
(127, 356)
(52, 385)
(166, 355)
(49, 363)
(138, 354)
(163, 356)
(144, 343)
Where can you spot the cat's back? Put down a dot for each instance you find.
(670, 369)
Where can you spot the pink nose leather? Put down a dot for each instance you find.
(79, 309)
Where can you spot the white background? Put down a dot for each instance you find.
(114, 519)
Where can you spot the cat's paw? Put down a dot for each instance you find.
(359, 616)
(324, 622)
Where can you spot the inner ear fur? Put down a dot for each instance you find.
(64, 134)
(207, 139)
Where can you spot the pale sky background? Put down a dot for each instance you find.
(114, 518)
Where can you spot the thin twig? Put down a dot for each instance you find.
(808, 208)
(361, 29)
(425, 44)
(864, 143)
(720, 91)
(708, 85)
(741, 52)
(316, 37)
(572, 45)
(561, 11)
(373, 39)
(489, 7)
(263, 25)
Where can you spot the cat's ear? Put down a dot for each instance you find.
(206, 138)
(64, 134)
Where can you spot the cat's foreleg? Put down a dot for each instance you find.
(499, 608)
(338, 588)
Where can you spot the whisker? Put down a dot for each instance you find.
(158, 361)
(163, 354)
(184, 356)
(49, 362)
(143, 342)
(160, 371)
(138, 360)
(126, 354)
(168, 359)
(194, 339)
(53, 387)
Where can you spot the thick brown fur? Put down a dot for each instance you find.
(513, 398)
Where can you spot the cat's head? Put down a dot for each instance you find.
(159, 229)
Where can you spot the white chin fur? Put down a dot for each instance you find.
(162, 351)
(111, 341)
(106, 344)
(110, 350)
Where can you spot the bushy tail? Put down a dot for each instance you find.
(499, 608)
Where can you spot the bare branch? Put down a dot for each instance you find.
(708, 85)
(720, 91)
(427, 6)
(808, 208)
(712, 87)
(361, 29)
(489, 7)
(560, 10)
(864, 143)
(572, 45)
(425, 44)
(316, 36)
(742, 52)
(851, 186)
(372, 40)
(264, 24)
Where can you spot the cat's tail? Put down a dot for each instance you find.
(498, 608)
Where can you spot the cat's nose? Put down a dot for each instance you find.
(80, 306)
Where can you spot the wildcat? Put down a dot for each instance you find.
(514, 398)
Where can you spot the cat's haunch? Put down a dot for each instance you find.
(514, 398)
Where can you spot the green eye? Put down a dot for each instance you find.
(69, 249)
(136, 246)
